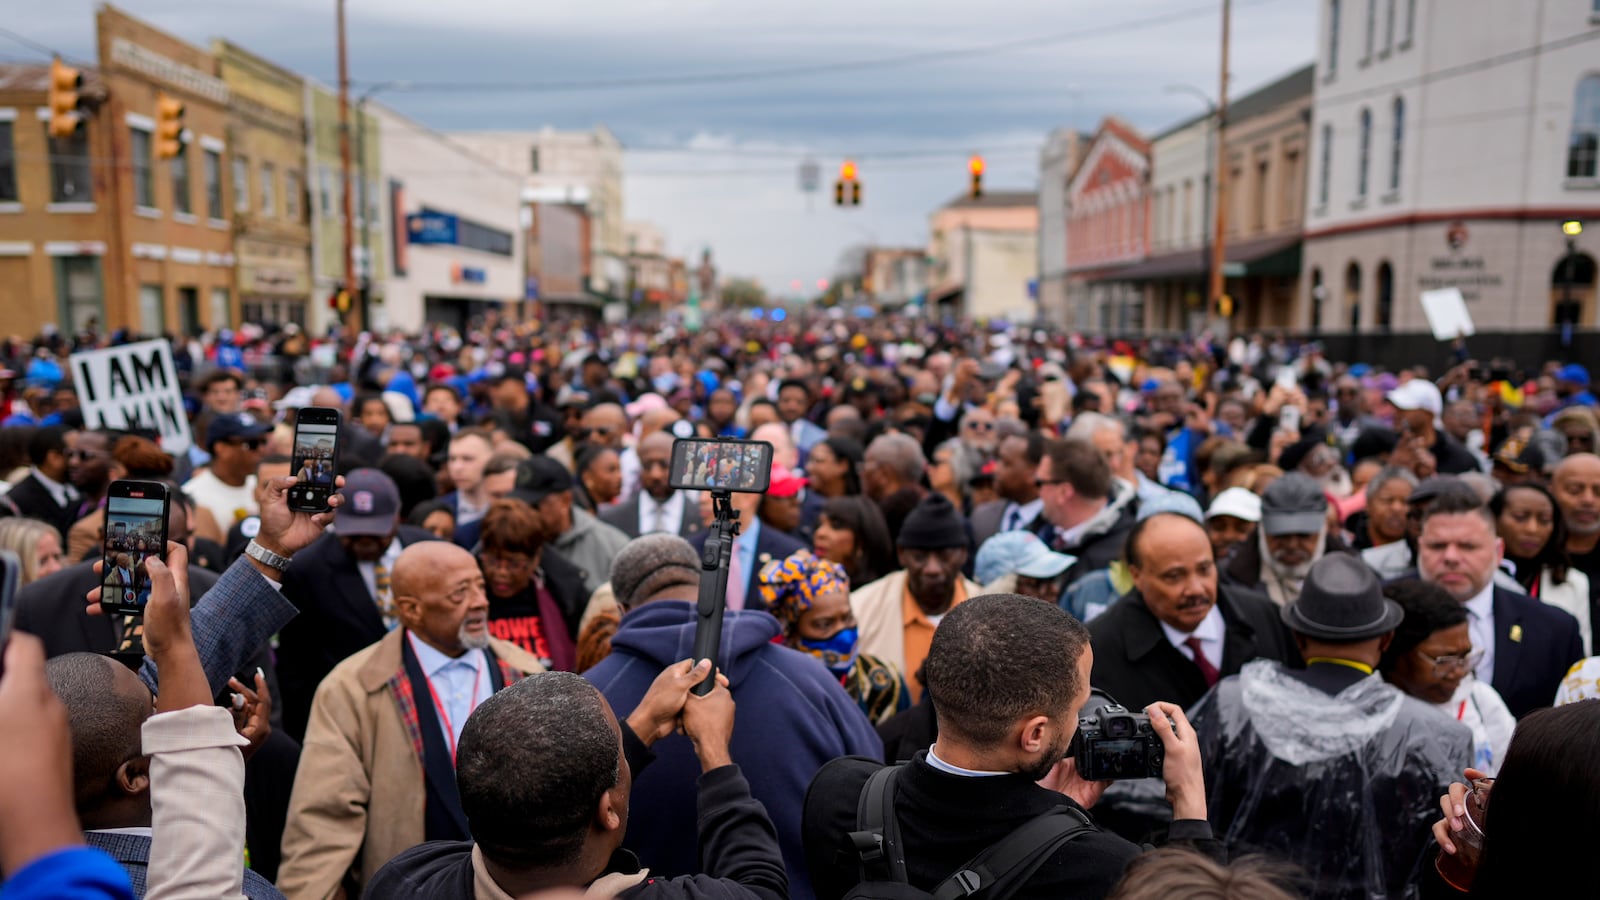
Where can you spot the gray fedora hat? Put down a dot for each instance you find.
(1342, 601)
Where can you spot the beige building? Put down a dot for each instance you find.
(266, 133)
(984, 253)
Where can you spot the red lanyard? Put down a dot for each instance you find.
(444, 717)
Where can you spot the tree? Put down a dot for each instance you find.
(743, 292)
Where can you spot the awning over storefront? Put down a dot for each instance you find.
(1263, 257)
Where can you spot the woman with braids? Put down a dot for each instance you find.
(811, 598)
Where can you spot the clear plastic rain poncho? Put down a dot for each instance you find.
(1344, 786)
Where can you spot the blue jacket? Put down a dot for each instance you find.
(793, 716)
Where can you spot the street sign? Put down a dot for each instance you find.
(133, 386)
(810, 176)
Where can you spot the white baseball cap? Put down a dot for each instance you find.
(1237, 502)
(1418, 393)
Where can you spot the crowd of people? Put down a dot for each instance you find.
(1351, 602)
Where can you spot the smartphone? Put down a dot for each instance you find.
(707, 464)
(10, 577)
(136, 529)
(315, 458)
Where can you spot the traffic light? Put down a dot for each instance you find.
(838, 193)
(855, 193)
(847, 190)
(1225, 306)
(65, 101)
(975, 166)
(169, 127)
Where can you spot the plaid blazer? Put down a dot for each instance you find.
(132, 852)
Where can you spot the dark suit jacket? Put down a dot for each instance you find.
(33, 500)
(771, 543)
(625, 517)
(1135, 663)
(988, 520)
(132, 852)
(1534, 646)
(337, 617)
(53, 609)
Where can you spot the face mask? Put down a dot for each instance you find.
(838, 653)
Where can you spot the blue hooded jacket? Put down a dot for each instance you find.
(793, 716)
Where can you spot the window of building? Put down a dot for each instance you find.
(1188, 210)
(1388, 25)
(8, 164)
(241, 184)
(1262, 175)
(1411, 22)
(533, 155)
(291, 195)
(144, 182)
(213, 176)
(189, 310)
(1385, 295)
(221, 305)
(1325, 164)
(1372, 30)
(80, 292)
(1352, 294)
(182, 199)
(70, 178)
(1397, 143)
(269, 189)
(1333, 36)
(482, 237)
(1364, 160)
(1318, 293)
(1583, 149)
(152, 312)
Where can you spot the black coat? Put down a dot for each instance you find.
(33, 500)
(625, 517)
(338, 616)
(54, 610)
(1136, 664)
(948, 819)
(1534, 646)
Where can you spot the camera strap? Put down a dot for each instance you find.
(997, 872)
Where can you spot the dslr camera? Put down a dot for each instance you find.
(1114, 744)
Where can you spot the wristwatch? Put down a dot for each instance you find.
(266, 557)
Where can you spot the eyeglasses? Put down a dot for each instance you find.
(978, 426)
(1444, 665)
(513, 562)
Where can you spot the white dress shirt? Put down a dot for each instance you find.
(369, 570)
(671, 513)
(1017, 516)
(1480, 624)
(461, 683)
(62, 494)
(1210, 632)
(941, 765)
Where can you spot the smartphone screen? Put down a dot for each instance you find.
(316, 454)
(136, 529)
(10, 577)
(702, 464)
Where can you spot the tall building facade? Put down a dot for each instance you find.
(1450, 141)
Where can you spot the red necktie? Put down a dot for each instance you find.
(1207, 670)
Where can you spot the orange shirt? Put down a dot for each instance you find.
(919, 633)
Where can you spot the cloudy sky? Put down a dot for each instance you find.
(908, 89)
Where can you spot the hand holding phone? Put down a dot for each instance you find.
(135, 532)
(316, 458)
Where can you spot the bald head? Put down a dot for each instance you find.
(1576, 485)
(783, 451)
(327, 396)
(420, 565)
(440, 596)
(657, 420)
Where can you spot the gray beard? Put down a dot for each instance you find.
(472, 641)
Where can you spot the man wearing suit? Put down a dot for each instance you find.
(755, 547)
(1527, 646)
(1178, 632)
(655, 507)
(1019, 507)
(342, 586)
(45, 494)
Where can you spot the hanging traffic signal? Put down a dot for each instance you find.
(855, 193)
(169, 127)
(65, 101)
(838, 193)
(975, 166)
(847, 190)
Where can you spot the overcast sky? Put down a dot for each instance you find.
(717, 164)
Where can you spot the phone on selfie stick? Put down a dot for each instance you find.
(136, 530)
(316, 458)
(724, 468)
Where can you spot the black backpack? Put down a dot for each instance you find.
(996, 873)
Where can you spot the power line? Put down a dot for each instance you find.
(37, 47)
(1466, 68)
(750, 75)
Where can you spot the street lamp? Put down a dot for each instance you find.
(1567, 310)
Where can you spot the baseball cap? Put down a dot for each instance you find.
(1293, 504)
(538, 477)
(1574, 374)
(371, 505)
(1019, 552)
(1237, 502)
(1418, 393)
(571, 396)
(236, 426)
(785, 483)
(1519, 456)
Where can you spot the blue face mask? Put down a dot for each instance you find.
(838, 653)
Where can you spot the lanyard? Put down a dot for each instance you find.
(444, 717)
(1358, 666)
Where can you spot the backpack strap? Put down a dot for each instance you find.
(877, 838)
(999, 870)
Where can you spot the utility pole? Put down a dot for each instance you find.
(344, 164)
(1219, 237)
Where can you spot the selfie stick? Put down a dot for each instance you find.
(714, 586)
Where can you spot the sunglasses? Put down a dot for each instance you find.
(979, 426)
